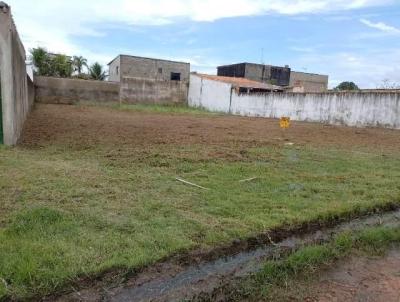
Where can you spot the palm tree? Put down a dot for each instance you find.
(96, 72)
(78, 63)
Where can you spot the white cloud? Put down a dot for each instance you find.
(54, 24)
(366, 70)
(381, 26)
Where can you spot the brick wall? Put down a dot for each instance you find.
(70, 91)
(139, 90)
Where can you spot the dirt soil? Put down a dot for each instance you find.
(79, 126)
(362, 279)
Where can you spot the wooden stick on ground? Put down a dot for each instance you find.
(190, 183)
(248, 179)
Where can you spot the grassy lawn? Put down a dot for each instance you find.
(156, 108)
(72, 212)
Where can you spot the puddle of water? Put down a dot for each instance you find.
(204, 278)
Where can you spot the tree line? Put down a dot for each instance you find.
(62, 66)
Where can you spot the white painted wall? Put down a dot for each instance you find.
(208, 94)
(351, 109)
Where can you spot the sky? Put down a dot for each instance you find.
(349, 40)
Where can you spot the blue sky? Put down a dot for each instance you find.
(355, 40)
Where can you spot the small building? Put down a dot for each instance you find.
(282, 76)
(308, 82)
(147, 80)
(147, 68)
(257, 72)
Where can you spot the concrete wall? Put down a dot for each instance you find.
(150, 91)
(351, 109)
(70, 91)
(209, 94)
(308, 82)
(13, 77)
(31, 91)
(130, 90)
(145, 80)
(268, 74)
(138, 67)
(257, 72)
(114, 74)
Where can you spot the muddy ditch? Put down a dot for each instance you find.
(195, 274)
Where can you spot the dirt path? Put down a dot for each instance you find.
(85, 126)
(362, 279)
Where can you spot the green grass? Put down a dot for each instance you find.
(156, 108)
(280, 276)
(69, 212)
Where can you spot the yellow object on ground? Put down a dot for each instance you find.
(284, 122)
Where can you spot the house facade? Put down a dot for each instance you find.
(147, 80)
(147, 68)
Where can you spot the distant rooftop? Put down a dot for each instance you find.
(155, 59)
(249, 63)
(240, 82)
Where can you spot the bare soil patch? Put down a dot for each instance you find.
(362, 279)
(85, 126)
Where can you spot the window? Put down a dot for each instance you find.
(117, 70)
(175, 76)
(160, 70)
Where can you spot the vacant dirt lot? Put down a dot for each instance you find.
(83, 126)
(92, 190)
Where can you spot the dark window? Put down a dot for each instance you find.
(117, 70)
(175, 76)
(160, 70)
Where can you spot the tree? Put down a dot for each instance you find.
(62, 66)
(96, 72)
(78, 62)
(50, 65)
(347, 86)
(41, 61)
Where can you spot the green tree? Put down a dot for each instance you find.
(78, 62)
(41, 61)
(62, 66)
(96, 72)
(347, 86)
(51, 65)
